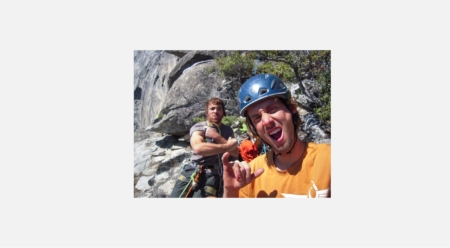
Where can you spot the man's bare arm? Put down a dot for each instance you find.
(202, 148)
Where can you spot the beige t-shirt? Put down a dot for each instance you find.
(310, 177)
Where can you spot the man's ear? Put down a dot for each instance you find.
(293, 108)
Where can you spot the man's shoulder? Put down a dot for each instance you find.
(319, 146)
(319, 150)
(202, 123)
(198, 124)
(197, 127)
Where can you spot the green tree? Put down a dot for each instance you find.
(237, 67)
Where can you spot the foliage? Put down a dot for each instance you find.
(237, 67)
(230, 120)
(282, 63)
(322, 72)
(199, 119)
(281, 70)
(244, 128)
(324, 111)
(160, 115)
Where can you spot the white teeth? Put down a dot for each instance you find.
(274, 131)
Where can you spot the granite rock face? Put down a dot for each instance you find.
(151, 76)
(187, 97)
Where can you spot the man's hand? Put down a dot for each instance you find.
(211, 133)
(236, 175)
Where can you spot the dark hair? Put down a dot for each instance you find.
(289, 103)
(215, 101)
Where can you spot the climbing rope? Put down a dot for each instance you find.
(215, 124)
(219, 167)
(194, 179)
(210, 124)
(189, 183)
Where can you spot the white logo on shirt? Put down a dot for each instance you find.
(319, 193)
(293, 196)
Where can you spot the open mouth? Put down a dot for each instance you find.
(275, 133)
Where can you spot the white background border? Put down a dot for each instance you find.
(66, 97)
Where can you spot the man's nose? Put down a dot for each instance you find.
(266, 120)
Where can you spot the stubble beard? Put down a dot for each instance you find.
(284, 147)
(218, 122)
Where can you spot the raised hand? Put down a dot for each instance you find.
(236, 175)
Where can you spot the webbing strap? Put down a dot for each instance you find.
(210, 190)
(183, 178)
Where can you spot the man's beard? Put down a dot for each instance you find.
(217, 122)
(284, 147)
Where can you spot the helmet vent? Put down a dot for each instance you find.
(273, 84)
(263, 91)
(247, 98)
(281, 86)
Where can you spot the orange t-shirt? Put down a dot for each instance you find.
(310, 177)
(248, 150)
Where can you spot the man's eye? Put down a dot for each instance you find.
(272, 109)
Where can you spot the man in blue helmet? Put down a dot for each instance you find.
(291, 168)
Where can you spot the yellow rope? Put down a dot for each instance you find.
(209, 125)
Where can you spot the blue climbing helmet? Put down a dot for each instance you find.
(260, 87)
